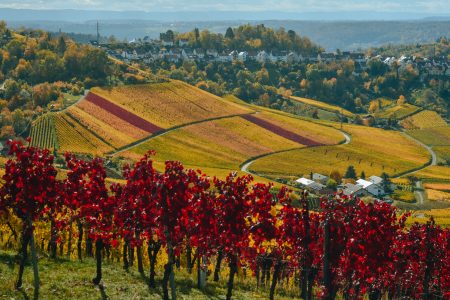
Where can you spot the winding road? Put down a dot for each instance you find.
(433, 161)
(245, 166)
(166, 131)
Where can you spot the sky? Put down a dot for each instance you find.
(404, 6)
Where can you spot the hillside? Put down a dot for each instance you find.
(371, 150)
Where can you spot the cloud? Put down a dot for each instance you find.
(431, 6)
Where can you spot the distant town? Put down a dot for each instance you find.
(173, 50)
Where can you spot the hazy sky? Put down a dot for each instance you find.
(412, 6)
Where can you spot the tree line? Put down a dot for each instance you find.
(346, 247)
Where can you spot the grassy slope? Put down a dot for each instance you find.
(397, 111)
(63, 279)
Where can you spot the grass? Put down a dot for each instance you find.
(64, 279)
(372, 150)
(397, 111)
(324, 106)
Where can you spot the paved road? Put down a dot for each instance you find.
(420, 194)
(161, 133)
(244, 167)
(429, 149)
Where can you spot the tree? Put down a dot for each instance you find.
(350, 173)
(229, 34)
(29, 189)
(363, 175)
(336, 176)
(332, 184)
(401, 100)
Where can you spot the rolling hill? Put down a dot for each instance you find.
(219, 135)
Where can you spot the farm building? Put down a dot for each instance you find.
(356, 190)
(320, 178)
(371, 187)
(310, 184)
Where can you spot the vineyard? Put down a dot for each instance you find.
(372, 150)
(73, 137)
(170, 104)
(424, 119)
(228, 142)
(43, 132)
(232, 237)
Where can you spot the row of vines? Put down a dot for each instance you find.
(346, 247)
(43, 132)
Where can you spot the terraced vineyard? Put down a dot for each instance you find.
(372, 150)
(228, 142)
(424, 119)
(170, 104)
(43, 132)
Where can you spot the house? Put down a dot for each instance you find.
(358, 57)
(233, 55)
(375, 179)
(251, 55)
(293, 57)
(212, 52)
(223, 57)
(320, 178)
(183, 42)
(354, 190)
(325, 57)
(371, 187)
(276, 56)
(262, 56)
(167, 43)
(188, 55)
(310, 184)
(200, 53)
(242, 56)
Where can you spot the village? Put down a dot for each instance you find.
(148, 51)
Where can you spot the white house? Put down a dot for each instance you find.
(223, 57)
(262, 56)
(375, 179)
(374, 189)
(310, 184)
(293, 57)
(355, 190)
(200, 53)
(242, 56)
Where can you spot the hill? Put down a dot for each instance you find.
(371, 150)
